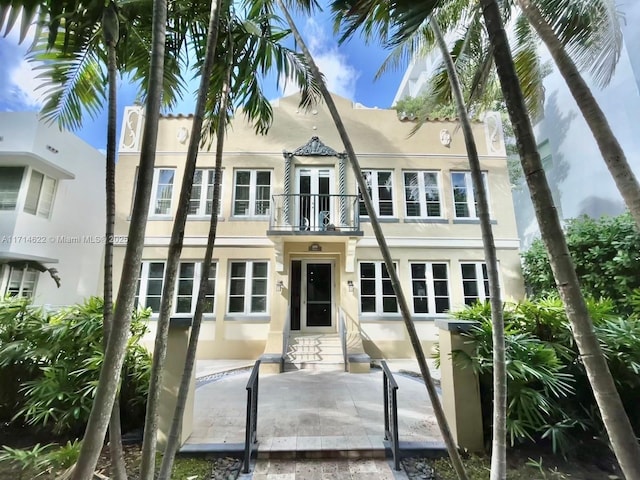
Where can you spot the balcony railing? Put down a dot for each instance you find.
(311, 213)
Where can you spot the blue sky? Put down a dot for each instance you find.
(349, 69)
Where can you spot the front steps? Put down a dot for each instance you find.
(314, 352)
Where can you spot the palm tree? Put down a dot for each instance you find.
(386, 254)
(600, 15)
(407, 19)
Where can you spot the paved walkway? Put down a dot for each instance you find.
(311, 411)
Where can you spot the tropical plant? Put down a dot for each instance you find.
(605, 254)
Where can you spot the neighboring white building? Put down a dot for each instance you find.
(52, 212)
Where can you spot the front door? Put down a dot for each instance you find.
(314, 201)
(317, 295)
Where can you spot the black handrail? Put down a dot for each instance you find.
(250, 437)
(389, 391)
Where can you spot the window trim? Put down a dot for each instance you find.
(24, 271)
(38, 209)
(16, 200)
(379, 296)
(422, 196)
(471, 204)
(154, 193)
(202, 201)
(253, 187)
(479, 281)
(375, 198)
(143, 280)
(430, 293)
(248, 289)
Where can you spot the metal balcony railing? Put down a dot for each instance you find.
(314, 213)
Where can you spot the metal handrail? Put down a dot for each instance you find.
(343, 338)
(390, 394)
(307, 212)
(251, 426)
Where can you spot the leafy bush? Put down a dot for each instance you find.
(606, 254)
(50, 364)
(549, 396)
(40, 460)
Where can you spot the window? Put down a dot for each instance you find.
(10, 181)
(475, 282)
(252, 193)
(201, 202)
(422, 194)
(376, 292)
(151, 281)
(380, 188)
(40, 195)
(248, 287)
(22, 282)
(464, 198)
(430, 287)
(162, 191)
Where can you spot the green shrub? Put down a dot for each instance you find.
(52, 363)
(606, 256)
(40, 460)
(548, 393)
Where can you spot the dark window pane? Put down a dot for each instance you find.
(368, 287)
(439, 270)
(389, 304)
(236, 304)
(368, 304)
(418, 270)
(420, 305)
(258, 304)
(183, 305)
(468, 271)
(260, 269)
(367, 270)
(470, 289)
(442, 305)
(237, 286)
(440, 288)
(238, 269)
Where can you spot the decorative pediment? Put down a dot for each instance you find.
(315, 148)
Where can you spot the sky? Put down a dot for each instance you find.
(349, 69)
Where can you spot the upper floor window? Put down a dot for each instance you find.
(163, 179)
(430, 287)
(40, 195)
(248, 287)
(376, 291)
(201, 202)
(10, 181)
(252, 193)
(422, 194)
(475, 282)
(22, 282)
(151, 281)
(465, 204)
(380, 189)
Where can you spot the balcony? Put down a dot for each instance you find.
(314, 214)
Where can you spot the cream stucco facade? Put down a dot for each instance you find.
(292, 252)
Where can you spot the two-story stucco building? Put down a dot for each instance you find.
(52, 212)
(295, 254)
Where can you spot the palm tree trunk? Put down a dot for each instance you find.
(173, 441)
(114, 354)
(149, 444)
(612, 153)
(116, 452)
(384, 249)
(625, 445)
(499, 438)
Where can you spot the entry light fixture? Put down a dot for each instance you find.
(350, 285)
(279, 285)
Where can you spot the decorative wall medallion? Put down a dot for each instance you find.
(445, 137)
(182, 135)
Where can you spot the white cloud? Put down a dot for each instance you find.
(24, 79)
(339, 74)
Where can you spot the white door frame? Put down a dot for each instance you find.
(315, 173)
(303, 297)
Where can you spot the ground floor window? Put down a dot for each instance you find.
(151, 281)
(248, 282)
(376, 292)
(475, 282)
(22, 282)
(430, 287)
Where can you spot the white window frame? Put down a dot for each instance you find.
(10, 197)
(28, 279)
(422, 193)
(430, 293)
(207, 173)
(253, 188)
(143, 284)
(470, 199)
(479, 280)
(248, 293)
(379, 295)
(155, 192)
(371, 177)
(45, 195)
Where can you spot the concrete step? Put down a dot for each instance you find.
(315, 357)
(337, 349)
(314, 365)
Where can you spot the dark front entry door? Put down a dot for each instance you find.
(317, 295)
